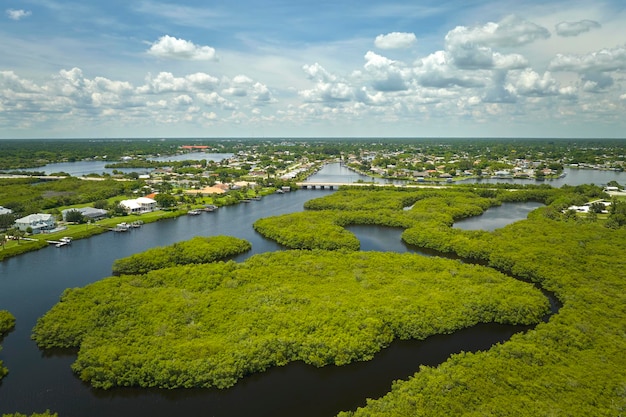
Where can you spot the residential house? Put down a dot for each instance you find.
(38, 223)
(139, 205)
(89, 213)
(5, 210)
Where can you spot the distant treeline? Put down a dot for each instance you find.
(32, 153)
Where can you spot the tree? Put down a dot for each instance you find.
(16, 233)
(165, 200)
(74, 216)
(6, 220)
(101, 204)
(118, 210)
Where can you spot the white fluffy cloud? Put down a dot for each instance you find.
(575, 28)
(17, 14)
(395, 40)
(508, 32)
(437, 71)
(328, 89)
(530, 83)
(174, 48)
(489, 73)
(613, 59)
(388, 75)
(473, 48)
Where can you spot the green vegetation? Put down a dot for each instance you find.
(7, 322)
(81, 231)
(571, 365)
(307, 231)
(210, 325)
(30, 195)
(195, 251)
(46, 413)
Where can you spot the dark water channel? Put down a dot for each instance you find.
(31, 284)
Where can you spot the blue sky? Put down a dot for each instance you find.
(280, 68)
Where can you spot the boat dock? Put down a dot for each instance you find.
(64, 241)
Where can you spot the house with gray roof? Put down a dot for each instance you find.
(90, 213)
(37, 222)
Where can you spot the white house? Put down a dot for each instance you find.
(37, 222)
(5, 210)
(139, 205)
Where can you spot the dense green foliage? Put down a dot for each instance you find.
(325, 228)
(209, 325)
(194, 251)
(46, 413)
(27, 196)
(307, 231)
(223, 321)
(7, 321)
(572, 365)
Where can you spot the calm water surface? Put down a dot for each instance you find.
(31, 284)
(499, 216)
(80, 168)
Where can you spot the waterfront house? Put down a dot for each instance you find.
(90, 213)
(139, 205)
(36, 222)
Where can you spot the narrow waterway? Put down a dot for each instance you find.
(32, 283)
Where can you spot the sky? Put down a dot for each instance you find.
(341, 68)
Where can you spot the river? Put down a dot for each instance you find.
(32, 283)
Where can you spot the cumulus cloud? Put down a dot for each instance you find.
(17, 14)
(613, 59)
(388, 75)
(318, 73)
(508, 32)
(596, 82)
(174, 48)
(472, 48)
(497, 92)
(575, 28)
(328, 88)
(437, 71)
(395, 40)
(530, 83)
(261, 93)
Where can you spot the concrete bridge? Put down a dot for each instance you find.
(318, 185)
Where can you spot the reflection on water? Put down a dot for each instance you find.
(498, 216)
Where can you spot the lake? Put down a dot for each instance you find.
(81, 168)
(32, 283)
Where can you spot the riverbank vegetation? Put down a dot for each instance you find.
(30, 195)
(46, 413)
(194, 251)
(210, 325)
(570, 365)
(7, 322)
